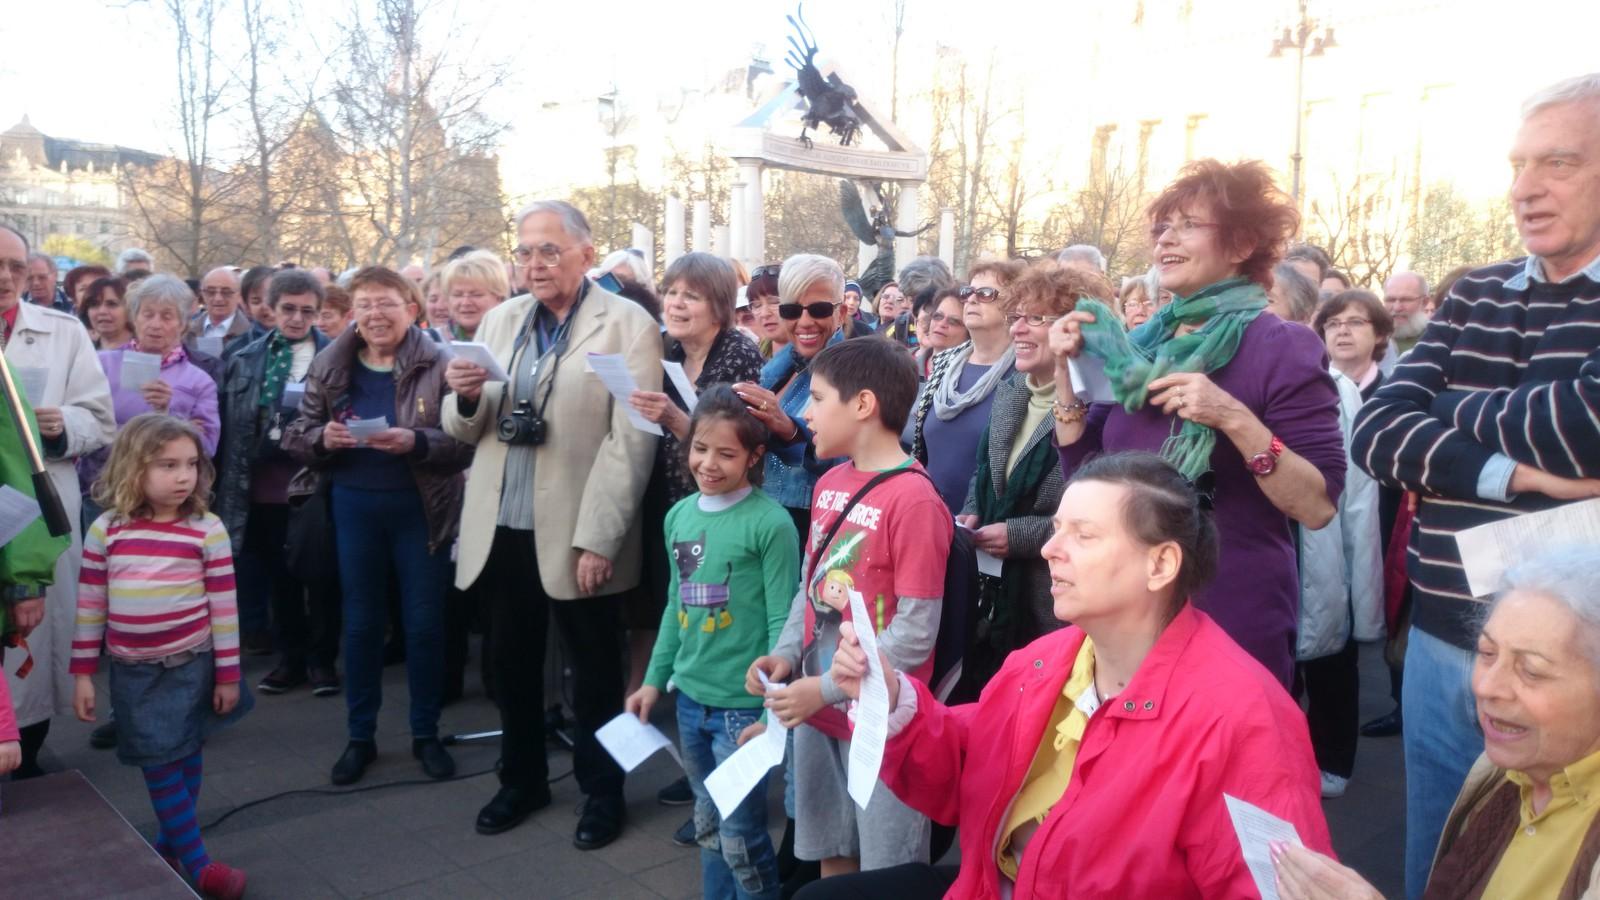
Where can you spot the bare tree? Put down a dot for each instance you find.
(1109, 213)
(1450, 231)
(272, 115)
(1362, 228)
(416, 142)
(804, 217)
(959, 162)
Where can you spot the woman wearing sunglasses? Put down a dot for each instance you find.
(811, 305)
(954, 405)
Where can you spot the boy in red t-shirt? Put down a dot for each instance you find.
(891, 549)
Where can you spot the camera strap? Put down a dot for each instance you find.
(553, 345)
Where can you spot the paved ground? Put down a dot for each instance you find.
(417, 840)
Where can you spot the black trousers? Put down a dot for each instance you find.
(591, 632)
(912, 881)
(306, 619)
(461, 610)
(1333, 708)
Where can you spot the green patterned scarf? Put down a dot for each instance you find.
(280, 357)
(1134, 359)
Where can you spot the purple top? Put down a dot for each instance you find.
(953, 445)
(1281, 374)
(194, 397)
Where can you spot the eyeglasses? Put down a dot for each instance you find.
(387, 306)
(982, 295)
(936, 318)
(1138, 304)
(290, 312)
(218, 292)
(1352, 323)
(1035, 321)
(822, 309)
(547, 254)
(1181, 230)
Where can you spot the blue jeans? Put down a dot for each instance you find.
(736, 855)
(380, 531)
(1442, 740)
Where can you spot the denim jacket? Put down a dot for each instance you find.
(792, 468)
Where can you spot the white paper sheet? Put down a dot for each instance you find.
(211, 346)
(1258, 830)
(739, 774)
(1089, 380)
(631, 742)
(680, 380)
(364, 430)
(293, 393)
(1488, 550)
(138, 369)
(33, 382)
(872, 710)
(478, 354)
(613, 372)
(990, 565)
(17, 511)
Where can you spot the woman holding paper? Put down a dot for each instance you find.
(1239, 402)
(1097, 760)
(369, 423)
(1525, 823)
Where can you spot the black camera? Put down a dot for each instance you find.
(522, 426)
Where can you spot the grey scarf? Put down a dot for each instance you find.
(948, 403)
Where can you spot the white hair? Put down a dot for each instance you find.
(1082, 253)
(638, 268)
(1572, 90)
(1564, 573)
(132, 255)
(160, 288)
(572, 220)
(802, 270)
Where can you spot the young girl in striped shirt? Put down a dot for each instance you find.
(157, 586)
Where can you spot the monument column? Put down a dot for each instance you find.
(947, 236)
(906, 219)
(755, 228)
(737, 215)
(673, 231)
(700, 234)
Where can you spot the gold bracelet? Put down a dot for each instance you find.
(1069, 413)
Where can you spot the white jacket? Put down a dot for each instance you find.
(56, 342)
(1341, 565)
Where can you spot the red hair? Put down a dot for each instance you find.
(1251, 212)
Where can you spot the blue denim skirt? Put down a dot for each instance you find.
(164, 714)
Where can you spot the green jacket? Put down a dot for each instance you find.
(28, 562)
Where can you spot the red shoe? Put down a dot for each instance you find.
(221, 882)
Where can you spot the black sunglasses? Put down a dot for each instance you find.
(822, 309)
(984, 295)
(764, 271)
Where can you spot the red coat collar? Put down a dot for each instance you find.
(1145, 696)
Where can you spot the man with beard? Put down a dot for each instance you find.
(1406, 296)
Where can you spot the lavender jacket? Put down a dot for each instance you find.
(194, 397)
(1281, 374)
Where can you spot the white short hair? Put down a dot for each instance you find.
(1082, 253)
(160, 289)
(802, 270)
(572, 220)
(638, 268)
(1572, 90)
(132, 255)
(1564, 573)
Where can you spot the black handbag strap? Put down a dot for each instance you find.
(855, 498)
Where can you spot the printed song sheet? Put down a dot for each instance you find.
(293, 393)
(631, 742)
(478, 354)
(872, 710)
(33, 382)
(138, 369)
(364, 430)
(613, 372)
(1258, 830)
(17, 511)
(1488, 550)
(680, 380)
(1089, 379)
(739, 774)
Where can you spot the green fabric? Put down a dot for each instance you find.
(1134, 359)
(1025, 478)
(280, 357)
(27, 562)
(752, 548)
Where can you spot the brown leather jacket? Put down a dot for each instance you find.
(439, 459)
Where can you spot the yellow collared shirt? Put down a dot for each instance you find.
(1540, 856)
(1052, 763)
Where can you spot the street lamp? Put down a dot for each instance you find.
(1304, 41)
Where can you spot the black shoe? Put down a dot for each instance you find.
(282, 680)
(684, 836)
(509, 807)
(324, 682)
(436, 761)
(1384, 726)
(676, 793)
(353, 763)
(600, 823)
(105, 736)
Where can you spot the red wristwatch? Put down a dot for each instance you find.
(1264, 462)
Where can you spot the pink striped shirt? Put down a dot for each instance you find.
(152, 589)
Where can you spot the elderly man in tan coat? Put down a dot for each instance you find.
(552, 506)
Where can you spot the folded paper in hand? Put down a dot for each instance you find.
(364, 430)
(138, 369)
(479, 355)
(631, 742)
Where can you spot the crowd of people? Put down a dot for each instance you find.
(1116, 547)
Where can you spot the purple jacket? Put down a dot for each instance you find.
(194, 397)
(1281, 374)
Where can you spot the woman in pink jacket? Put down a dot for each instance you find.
(1100, 754)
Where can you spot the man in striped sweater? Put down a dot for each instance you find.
(1495, 412)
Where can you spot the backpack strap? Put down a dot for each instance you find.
(855, 498)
